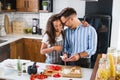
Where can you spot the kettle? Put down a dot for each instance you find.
(32, 69)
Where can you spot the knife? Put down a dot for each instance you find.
(64, 61)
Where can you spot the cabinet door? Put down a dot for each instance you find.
(32, 5)
(28, 49)
(38, 56)
(17, 49)
(20, 49)
(21, 5)
(13, 51)
(32, 50)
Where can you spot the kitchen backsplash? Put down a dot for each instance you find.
(43, 17)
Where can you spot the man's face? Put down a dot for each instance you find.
(66, 21)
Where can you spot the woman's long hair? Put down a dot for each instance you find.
(50, 30)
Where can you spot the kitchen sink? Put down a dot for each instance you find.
(1, 41)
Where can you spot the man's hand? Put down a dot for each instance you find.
(85, 23)
(74, 57)
(65, 57)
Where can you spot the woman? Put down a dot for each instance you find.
(53, 40)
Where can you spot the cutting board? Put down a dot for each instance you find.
(6, 24)
(66, 71)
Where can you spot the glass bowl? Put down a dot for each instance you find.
(57, 76)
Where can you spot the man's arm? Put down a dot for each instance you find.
(77, 56)
(92, 42)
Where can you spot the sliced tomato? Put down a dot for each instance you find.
(55, 67)
(38, 76)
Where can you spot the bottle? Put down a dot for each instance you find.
(19, 66)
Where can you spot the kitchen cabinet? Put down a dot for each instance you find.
(4, 52)
(27, 5)
(17, 49)
(32, 50)
(28, 49)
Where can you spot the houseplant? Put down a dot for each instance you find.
(45, 5)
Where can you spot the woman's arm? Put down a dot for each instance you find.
(57, 48)
(45, 50)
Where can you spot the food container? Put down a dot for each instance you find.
(18, 27)
(57, 76)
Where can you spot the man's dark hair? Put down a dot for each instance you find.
(66, 12)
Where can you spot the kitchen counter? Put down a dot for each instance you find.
(11, 74)
(13, 37)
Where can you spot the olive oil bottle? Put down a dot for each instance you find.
(19, 66)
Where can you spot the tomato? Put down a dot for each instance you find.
(38, 76)
(57, 75)
(55, 67)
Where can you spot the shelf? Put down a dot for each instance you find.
(44, 11)
(8, 10)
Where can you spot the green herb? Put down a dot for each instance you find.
(44, 3)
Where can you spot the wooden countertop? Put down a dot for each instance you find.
(93, 75)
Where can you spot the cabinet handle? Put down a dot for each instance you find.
(27, 4)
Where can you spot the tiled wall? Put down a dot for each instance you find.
(58, 5)
(27, 18)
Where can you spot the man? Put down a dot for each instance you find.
(80, 42)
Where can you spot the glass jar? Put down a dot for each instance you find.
(113, 52)
(118, 57)
(103, 71)
(112, 57)
(118, 66)
(8, 6)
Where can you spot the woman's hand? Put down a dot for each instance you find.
(85, 23)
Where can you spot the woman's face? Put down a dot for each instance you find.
(58, 25)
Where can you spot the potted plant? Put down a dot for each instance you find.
(45, 5)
